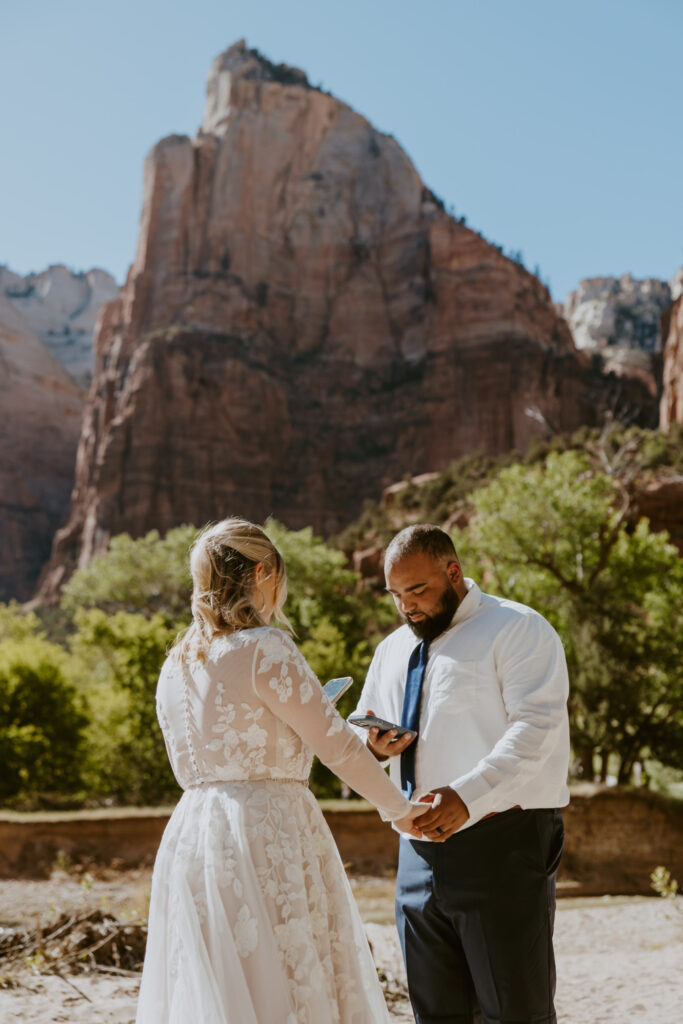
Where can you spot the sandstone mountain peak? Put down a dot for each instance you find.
(621, 312)
(621, 320)
(303, 324)
(238, 64)
(61, 307)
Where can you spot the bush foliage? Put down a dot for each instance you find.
(118, 618)
(42, 719)
(556, 536)
(553, 529)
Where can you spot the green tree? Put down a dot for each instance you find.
(121, 656)
(149, 575)
(337, 622)
(556, 536)
(15, 624)
(127, 606)
(42, 719)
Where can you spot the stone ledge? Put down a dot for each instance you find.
(614, 839)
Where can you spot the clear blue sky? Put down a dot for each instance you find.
(554, 126)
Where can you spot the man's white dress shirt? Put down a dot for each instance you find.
(493, 720)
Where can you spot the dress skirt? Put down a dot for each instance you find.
(252, 919)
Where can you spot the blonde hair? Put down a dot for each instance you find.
(223, 562)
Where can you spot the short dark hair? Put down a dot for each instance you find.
(423, 538)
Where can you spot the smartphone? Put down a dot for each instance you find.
(370, 721)
(336, 687)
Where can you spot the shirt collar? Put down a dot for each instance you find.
(469, 603)
(465, 609)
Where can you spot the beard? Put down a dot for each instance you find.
(433, 625)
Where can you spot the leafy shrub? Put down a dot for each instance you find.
(121, 655)
(127, 606)
(42, 721)
(147, 575)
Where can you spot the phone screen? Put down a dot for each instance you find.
(336, 687)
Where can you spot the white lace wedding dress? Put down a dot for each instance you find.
(252, 920)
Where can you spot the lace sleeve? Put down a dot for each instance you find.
(284, 682)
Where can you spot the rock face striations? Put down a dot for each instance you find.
(47, 322)
(302, 325)
(671, 407)
(40, 417)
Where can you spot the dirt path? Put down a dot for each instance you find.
(618, 959)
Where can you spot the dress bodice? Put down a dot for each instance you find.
(252, 710)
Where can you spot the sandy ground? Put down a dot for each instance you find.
(619, 959)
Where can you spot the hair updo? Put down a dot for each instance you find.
(223, 562)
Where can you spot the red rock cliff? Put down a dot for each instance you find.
(302, 325)
(671, 407)
(40, 416)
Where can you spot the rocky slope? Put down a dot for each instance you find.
(620, 318)
(61, 308)
(303, 324)
(40, 414)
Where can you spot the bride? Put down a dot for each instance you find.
(251, 919)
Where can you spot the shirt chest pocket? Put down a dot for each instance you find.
(456, 685)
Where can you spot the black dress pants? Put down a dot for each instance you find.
(475, 917)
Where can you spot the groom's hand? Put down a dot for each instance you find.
(446, 815)
(384, 745)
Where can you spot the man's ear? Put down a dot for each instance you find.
(453, 571)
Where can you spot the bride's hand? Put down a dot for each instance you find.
(407, 824)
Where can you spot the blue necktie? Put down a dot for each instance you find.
(410, 713)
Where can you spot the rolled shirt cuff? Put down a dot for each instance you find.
(476, 794)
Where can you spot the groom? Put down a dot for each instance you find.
(483, 681)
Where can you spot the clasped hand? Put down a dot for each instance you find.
(446, 812)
